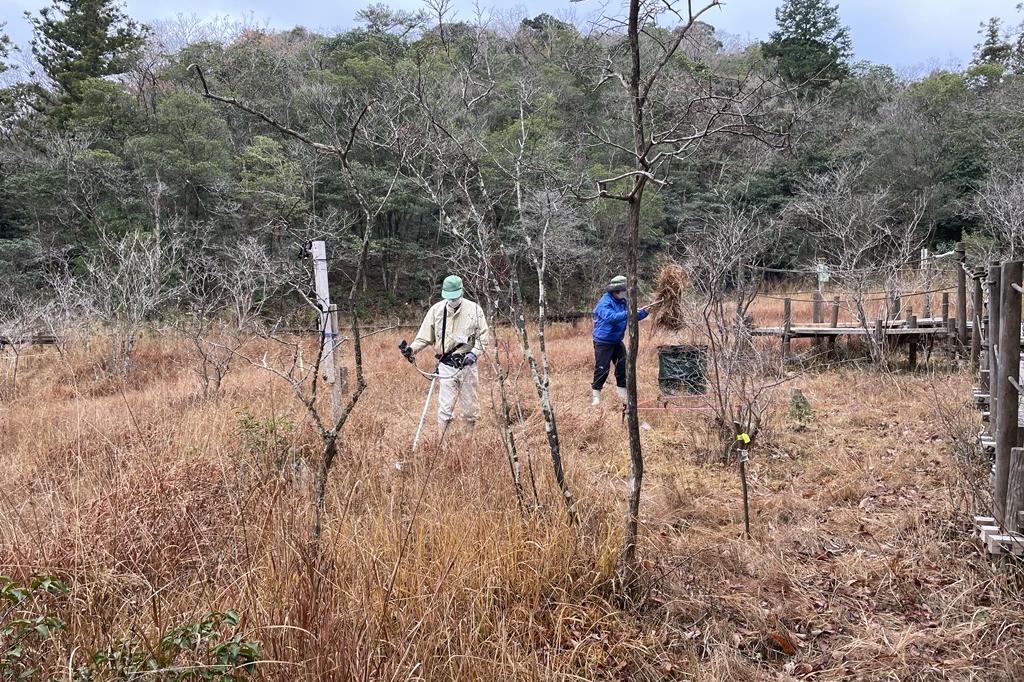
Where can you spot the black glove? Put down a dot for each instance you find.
(406, 351)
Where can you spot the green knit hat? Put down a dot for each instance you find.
(618, 283)
(452, 287)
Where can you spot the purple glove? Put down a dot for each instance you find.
(469, 359)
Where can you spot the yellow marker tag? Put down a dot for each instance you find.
(744, 438)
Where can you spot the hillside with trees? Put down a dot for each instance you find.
(112, 134)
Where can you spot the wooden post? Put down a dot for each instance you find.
(927, 278)
(976, 323)
(1009, 369)
(961, 294)
(834, 322)
(994, 278)
(1015, 491)
(318, 250)
(912, 339)
(894, 305)
(787, 314)
(945, 306)
(817, 314)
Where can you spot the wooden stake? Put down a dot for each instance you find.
(787, 323)
(834, 322)
(927, 278)
(945, 306)
(1008, 405)
(961, 294)
(817, 316)
(912, 340)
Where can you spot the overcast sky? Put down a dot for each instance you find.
(910, 34)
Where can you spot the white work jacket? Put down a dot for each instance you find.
(459, 326)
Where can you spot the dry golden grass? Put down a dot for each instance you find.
(147, 501)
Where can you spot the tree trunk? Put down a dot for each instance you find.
(627, 560)
(543, 394)
(328, 452)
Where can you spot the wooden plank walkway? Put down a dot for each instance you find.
(813, 331)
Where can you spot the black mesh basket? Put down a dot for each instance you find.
(683, 369)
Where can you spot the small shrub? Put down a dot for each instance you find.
(26, 623)
(208, 649)
(267, 440)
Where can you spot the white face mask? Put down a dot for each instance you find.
(454, 303)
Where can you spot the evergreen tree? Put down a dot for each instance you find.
(993, 48)
(992, 55)
(76, 40)
(810, 44)
(5, 47)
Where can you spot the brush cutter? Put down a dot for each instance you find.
(459, 351)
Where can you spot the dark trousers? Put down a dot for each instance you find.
(606, 354)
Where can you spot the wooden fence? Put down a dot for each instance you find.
(995, 355)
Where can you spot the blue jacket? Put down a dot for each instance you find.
(610, 319)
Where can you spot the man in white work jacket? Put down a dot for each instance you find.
(456, 329)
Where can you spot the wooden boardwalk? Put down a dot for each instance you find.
(812, 331)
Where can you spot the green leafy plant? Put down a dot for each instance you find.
(26, 623)
(266, 439)
(210, 648)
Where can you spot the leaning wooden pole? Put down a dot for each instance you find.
(1006, 383)
(961, 294)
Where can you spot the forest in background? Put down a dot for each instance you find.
(105, 131)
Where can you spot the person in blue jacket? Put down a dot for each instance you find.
(609, 330)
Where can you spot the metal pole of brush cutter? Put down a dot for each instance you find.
(423, 416)
(433, 380)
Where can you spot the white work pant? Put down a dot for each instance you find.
(457, 385)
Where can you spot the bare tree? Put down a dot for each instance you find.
(21, 319)
(865, 234)
(127, 280)
(742, 375)
(64, 318)
(226, 290)
(999, 201)
(671, 110)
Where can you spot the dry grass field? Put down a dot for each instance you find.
(155, 507)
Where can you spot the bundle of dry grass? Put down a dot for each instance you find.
(671, 291)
